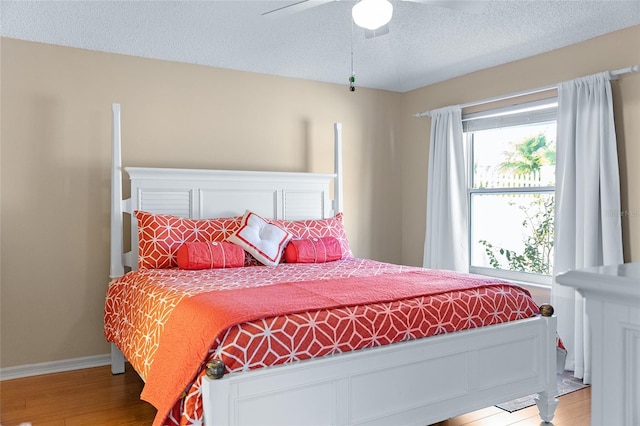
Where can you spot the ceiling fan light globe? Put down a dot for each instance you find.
(372, 14)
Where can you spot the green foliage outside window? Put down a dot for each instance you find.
(529, 156)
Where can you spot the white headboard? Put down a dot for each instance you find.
(215, 193)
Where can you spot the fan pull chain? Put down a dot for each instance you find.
(352, 77)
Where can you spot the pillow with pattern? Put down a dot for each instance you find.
(161, 235)
(318, 228)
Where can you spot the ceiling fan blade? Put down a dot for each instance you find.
(296, 7)
(470, 6)
(376, 33)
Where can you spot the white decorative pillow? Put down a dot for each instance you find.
(261, 239)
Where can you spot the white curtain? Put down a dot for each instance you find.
(587, 218)
(447, 241)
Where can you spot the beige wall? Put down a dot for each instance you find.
(609, 52)
(55, 156)
(56, 136)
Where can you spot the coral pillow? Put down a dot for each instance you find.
(262, 240)
(161, 235)
(318, 228)
(209, 255)
(313, 250)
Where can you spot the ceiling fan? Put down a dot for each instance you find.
(374, 15)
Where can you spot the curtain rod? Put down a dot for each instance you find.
(614, 74)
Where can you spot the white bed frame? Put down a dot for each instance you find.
(413, 383)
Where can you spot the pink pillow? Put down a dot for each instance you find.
(161, 235)
(318, 228)
(261, 239)
(210, 255)
(313, 250)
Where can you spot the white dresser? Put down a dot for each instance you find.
(612, 295)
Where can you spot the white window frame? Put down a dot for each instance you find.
(536, 112)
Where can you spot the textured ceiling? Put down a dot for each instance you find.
(426, 43)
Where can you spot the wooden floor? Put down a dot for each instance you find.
(94, 397)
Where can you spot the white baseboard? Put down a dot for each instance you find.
(29, 370)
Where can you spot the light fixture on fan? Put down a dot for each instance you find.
(372, 14)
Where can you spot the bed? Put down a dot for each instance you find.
(412, 373)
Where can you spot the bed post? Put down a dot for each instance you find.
(117, 248)
(337, 191)
(546, 400)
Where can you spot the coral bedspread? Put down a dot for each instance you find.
(351, 304)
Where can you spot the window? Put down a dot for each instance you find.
(511, 190)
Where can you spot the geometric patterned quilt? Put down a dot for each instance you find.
(139, 304)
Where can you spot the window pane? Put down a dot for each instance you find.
(512, 231)
(518, 156)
